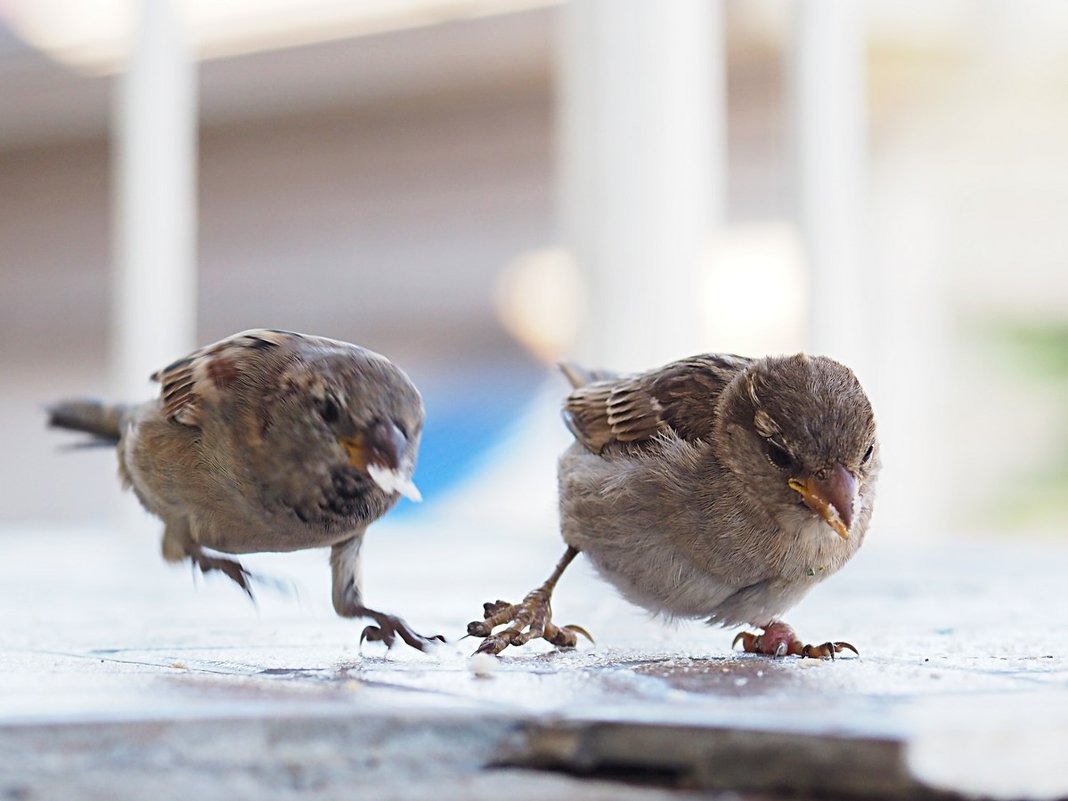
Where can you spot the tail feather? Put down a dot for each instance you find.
(581, 376)
(102, 420)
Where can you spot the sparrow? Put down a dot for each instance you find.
(717, 487)
(269, 440)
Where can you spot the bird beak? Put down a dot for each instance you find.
(832, 497)
(380, 453)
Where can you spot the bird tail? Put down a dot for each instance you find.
(102, 420)
(581, 376)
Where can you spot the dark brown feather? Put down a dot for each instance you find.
(680, 397)
(186, 382)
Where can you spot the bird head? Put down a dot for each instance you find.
(359, 411)
(800, 431)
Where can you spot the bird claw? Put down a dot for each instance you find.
(828, 649)
(778, 639)
(529, 620)
(493, 645)
(750, 642)
(490, 608)
(376, 634)
(388, 627)
(571, 627)
(230, 568)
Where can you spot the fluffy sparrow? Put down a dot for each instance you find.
(269, 441)
(716, 487)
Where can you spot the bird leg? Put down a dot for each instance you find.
(779, 639)
(348, 600)
(388, 627)
(529, 620)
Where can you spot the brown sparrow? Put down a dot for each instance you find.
(269, 441)
(716, 487)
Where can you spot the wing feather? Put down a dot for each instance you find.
(187, 384)
(678, 397)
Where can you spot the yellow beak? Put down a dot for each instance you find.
(831, 496)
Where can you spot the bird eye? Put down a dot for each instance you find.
(778, 455)
(328, 410)
(867, 454)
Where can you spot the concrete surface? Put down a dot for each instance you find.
(122, 677)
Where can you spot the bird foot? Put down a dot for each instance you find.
(388, 627)
(233, 569)
(779, 639)
(529, 620)
(239, 574)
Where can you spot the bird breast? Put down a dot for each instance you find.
(655, 531)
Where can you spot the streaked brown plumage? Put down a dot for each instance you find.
(716, 487)
(269, 441)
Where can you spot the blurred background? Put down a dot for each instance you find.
(481, 188)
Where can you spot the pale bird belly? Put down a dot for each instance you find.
(662, 581)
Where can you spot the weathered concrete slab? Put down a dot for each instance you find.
(115, 672)
(320, 755)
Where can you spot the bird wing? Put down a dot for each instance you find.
(680, 397)
(205, 374)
